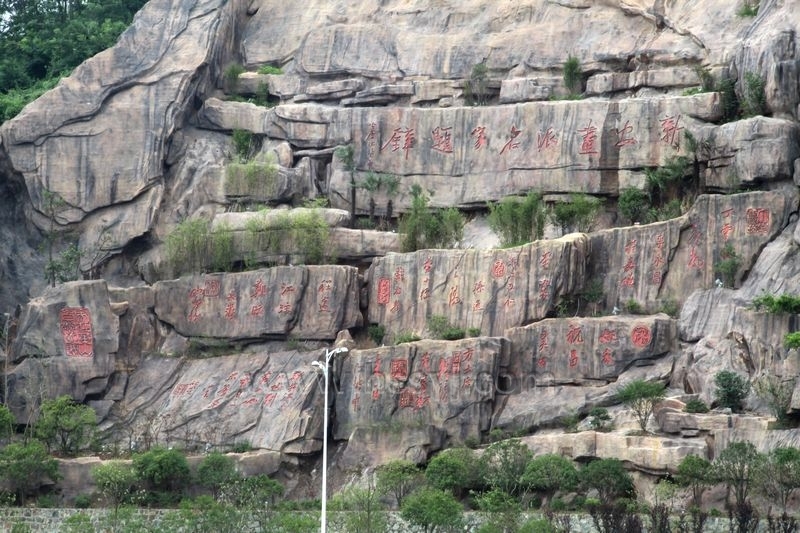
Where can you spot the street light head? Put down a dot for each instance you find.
(340, 349)
(318, 365)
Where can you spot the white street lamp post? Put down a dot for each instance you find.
(329, 354)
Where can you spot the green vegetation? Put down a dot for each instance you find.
(785, 303)
(548, 474)
(193, 247)
(440, 328)
(754, 101)
(24, 468)
(423, 228)
(116, 482)
(728, 99)
(243, 144)
(518, 221)
(216, 471)
(398, 478)
(728, 265)
(504, 465)
(376, 332)
(696, 405)
(599, 419)
(747, 9)
(573, 76)
(633, 307)
(43, 40)
(456, 470)
(577, 214)
(695, 473)
(641, 397)
(633, 204)
(373, 183)
(165, 474)
(738, 467)
(232, 73)
(65, 425)
(475, 89)
(347, 155)
(360, 510)
(253, 178)
(731, 391)
(777, 394)
(609, 478)
(792, 340)
(406, 336)
(270, 69)
(431, 508)
(302, 233)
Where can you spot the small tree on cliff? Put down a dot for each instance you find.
(65, 425)
(641, 397)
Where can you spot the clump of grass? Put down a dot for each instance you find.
(270, 69)
(747, 9)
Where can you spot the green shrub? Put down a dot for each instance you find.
(633, 204)
(609, 478)
(728, 100)
(269, 69)
(193, 247)
(376, 333)
(661, 180)
(165, 472)
(777, 394)
(232, 73)
(83, 501)
(475, 89)
(599, 419)
(406, 336)
(577, 214)
(241, 447)
(65, 425)
(255, 178)
(518, 221)
(570, 422)
(728, 265)
(422, 228)
(303, 233)
(473, 332)
(440, 328)
(732, 389)
(792, 340)
(747, 9)
(696, 405)
(215, 471)
(641, 397)
(668, 211)
(706, 79)
(243, 144)
(12, 102)
(633, 307)
(573, 75)
(754, 101)
(670, 307)
(785, 303)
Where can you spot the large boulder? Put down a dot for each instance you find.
(308, 302)
(438, 391)
(66, 344)
(487, 289)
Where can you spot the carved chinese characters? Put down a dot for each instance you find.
(570, 350)
(430, 382)
(76, 330)
(490, 290)
(313, 302)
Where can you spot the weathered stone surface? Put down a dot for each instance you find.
(343, 244)
(669, 260)
(265, 184)
(332, 90)
(272, 401)
(311, 302)
(66, 344)
(579, 350)
(565, 146)
(448, 385)
(523, 90)
(487, 289)
(748, 152)
(532, 403)
(229, 116)
(655, 455)
(86, 138)
(609, 82)
(675, 421)
(707, 312)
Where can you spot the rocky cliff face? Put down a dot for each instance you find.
(139, 139)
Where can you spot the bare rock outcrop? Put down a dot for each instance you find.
(309, 302)
(487, 289)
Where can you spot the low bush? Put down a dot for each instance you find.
(406, 336)
(518, 221)
(440, 328)
(732, 389)
(269, 69)
(422, 227)
(792, 340)
(376, 332)
(785, 303)
(696, 405)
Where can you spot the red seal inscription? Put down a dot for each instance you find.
(76, 330)
(641, 336)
